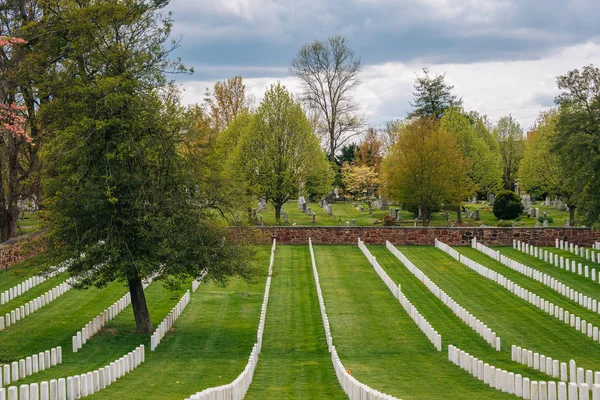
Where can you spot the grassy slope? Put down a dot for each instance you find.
(32, 293)
(567, 254)
(378, 342)
(22, 271)
(208, 346)
(533, 285)
(294, 362)
(452, 329)
(516, 321)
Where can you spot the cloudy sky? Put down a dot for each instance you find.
(502, 56)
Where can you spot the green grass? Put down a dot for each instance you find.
(32, 294)
(295, 362)
(514, 320)
(452, 329)
(347, 212)
(534, 286)
(572, 257)
(208, 346)
(378, 342)
(55, 324)
(576, 282)
(22, 271)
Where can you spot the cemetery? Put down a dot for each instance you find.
(322, 321)
(341, 213)
(326, 227)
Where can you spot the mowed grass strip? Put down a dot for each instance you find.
(572, 257)
(378, 342)
(452, 329)
(32, 293)
(22, 271)
(515, 320)
(56, 323)
(294, 362)
(580, 283)
(536, 287)
(208, 346)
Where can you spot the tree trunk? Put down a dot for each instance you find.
(143, 325)
(458, 215)
(571, 215)
(425, 215)
(277, 213)
(331, 146)
(13, 186)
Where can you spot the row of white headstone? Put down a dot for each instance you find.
(237, 389)
(588, 254)
(31, 282)
(96, 324)
(511, 383)
(553, 283)
(354, 389)
(554, 368)
(78, 386)
(524, 294)
(168, 322)
(465, 316)
(28, 308)
(30, 365)
(434, 337)
(557, 261)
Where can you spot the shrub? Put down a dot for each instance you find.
(505, 224)
(507, 205)
(549, 219)
(388, 220)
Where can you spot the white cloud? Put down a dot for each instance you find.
(521, 88)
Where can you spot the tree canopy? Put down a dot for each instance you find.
(425, 168)
(432, 96)
(277, 151)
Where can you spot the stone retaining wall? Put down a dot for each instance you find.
(416, 236)
(20, 249)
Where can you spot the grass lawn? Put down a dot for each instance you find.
(295, 362)
(536, 287)
(576, 282)
(378, 342)
(347, 212)
(22, 271)
(572, 257)
(514, 320)
(32, 293)
(208, 346)
(452, 329)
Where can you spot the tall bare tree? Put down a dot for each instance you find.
(227, 101)
(330, 71)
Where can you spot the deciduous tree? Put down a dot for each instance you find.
(361, 182)
(577, 139)
(510, 138)
(425, 168)
(278, 151)
(121, 196)
(329, 72)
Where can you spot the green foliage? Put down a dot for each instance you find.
(509, 135)
(578, 138)
(432, 96)
(505, 224)
(122, 200)
(486, 172)
(347, 154)
(425, 168)
(277, 151)
(549, 219)
(507, 205)
(540, 172)
(361, 182)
